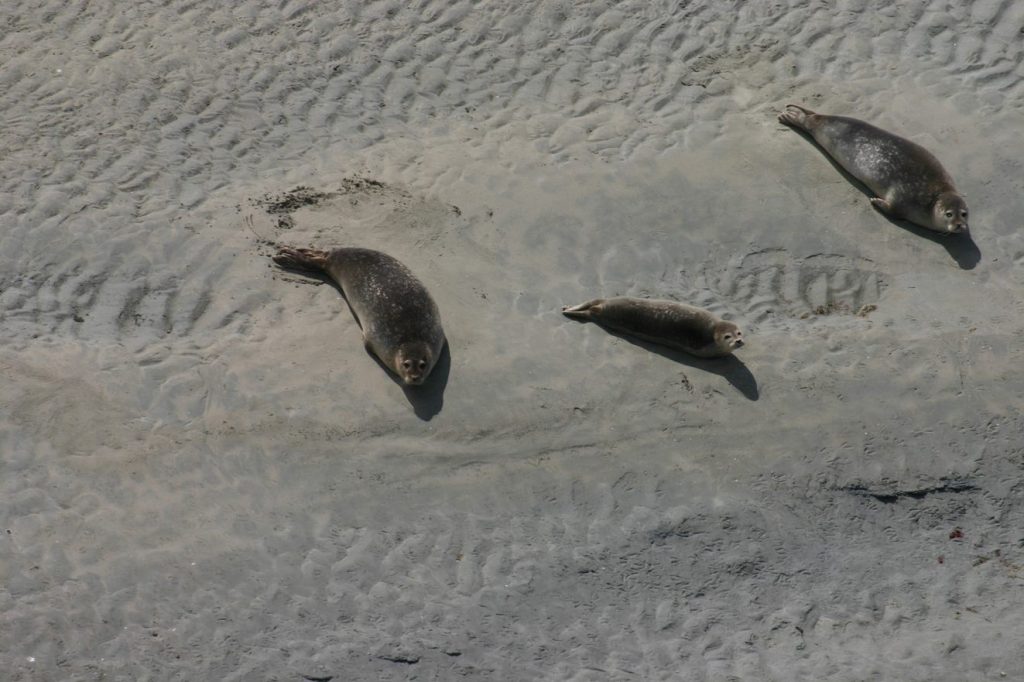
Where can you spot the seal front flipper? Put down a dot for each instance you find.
(884, 207)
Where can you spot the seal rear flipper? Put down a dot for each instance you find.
(798, 117)
(301, 259)
(581, 311)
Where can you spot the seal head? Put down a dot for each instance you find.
(728, 337)
(413, 362)
(950, 213)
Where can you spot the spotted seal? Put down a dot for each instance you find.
(668, 323)
(908, 181)
(400, 321)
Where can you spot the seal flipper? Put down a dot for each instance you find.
(797, 116)
(301, 259)
(581, 311)
(884, 207)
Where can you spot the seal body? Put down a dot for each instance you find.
(907, 179)
(668, 323)
(400, 321)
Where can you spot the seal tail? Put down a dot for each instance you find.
(798, 117)
(581, 311)
(301, 259)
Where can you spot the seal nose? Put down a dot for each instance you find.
(960, 227)
(738, 343)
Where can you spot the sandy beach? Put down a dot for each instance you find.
(205, 476)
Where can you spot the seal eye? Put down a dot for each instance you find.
(949, 214)
(728, 336)
(407, 364)
(963, 213)
(423, 364)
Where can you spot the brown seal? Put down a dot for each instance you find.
(908, 181)
(668, 323)
(400, 321)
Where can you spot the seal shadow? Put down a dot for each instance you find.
(961, 247)
(426, 399)
(730, 367)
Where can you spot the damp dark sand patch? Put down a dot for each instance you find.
(283, 205)
(354, 210)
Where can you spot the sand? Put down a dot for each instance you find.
(206, 477)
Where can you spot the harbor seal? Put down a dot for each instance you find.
(400, 321)
(668, 323)
(908, 181)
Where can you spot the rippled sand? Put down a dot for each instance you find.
(205, 477)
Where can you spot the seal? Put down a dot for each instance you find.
(668, 323)
(907, 179)
(400, 321)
